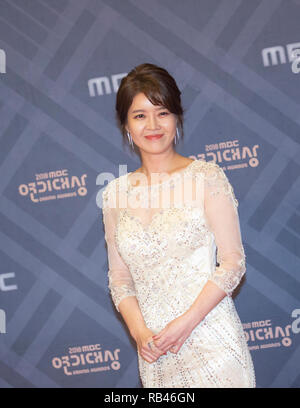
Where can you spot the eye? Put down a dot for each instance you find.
(138, 116)
(164, 113)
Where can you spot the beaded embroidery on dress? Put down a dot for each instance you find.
(164, 253)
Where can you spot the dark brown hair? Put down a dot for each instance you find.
(157, 85)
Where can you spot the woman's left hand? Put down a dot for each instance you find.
(172, 337)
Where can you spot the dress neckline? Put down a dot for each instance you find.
(172, 178)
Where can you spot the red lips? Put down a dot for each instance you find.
(154, 137)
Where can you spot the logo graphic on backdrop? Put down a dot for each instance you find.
(54, 185)
(5, 287)
(87, 359)
(279, 54)
(268, 334)
(104, 85)
(229, 152)
(2, 61)
(296, 62)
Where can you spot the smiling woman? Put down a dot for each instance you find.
(142, 100)
(148, 104)
(162, 259)
(148, 123)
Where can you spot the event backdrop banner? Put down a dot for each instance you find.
(237, 63)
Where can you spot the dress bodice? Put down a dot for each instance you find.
(167, 232)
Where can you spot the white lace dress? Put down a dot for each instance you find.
(164, 255)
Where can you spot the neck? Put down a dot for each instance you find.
(158, 163)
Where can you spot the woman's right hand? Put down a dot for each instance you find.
(142, 339)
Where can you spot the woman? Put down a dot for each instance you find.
(162, 235)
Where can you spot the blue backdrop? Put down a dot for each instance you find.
(61, 62)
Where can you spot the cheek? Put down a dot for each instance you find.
(171, 124)
(136, 127)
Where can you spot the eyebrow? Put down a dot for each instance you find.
(142, 110)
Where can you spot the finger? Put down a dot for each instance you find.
(158, 347)
(151, 350)
(158, 335)
(149, 357)
(158, 342)
(163, 344)
(175, 348)
(144, 355)
(149, 360)
(153, 344)
(157, 351)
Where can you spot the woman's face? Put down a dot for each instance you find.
(145, 119)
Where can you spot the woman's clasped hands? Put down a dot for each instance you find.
(171, 338)
(146, 347)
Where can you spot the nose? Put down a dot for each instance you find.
(152, 122)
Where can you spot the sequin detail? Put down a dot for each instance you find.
(165, 256)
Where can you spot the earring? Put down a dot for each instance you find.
(176, 136)
(130, 140)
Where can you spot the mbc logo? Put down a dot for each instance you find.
(2, 62)
(98, 86)
(280, 55)
(4, 287)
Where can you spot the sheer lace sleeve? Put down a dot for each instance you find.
(222, 217)
(120, 281)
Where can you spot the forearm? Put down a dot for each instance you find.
(132, 315)
(209, 297)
